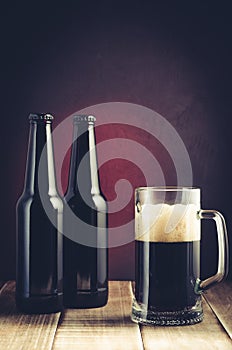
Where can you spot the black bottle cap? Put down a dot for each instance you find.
(84, 118)
(41, 116)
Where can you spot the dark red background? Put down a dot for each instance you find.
(174, 59)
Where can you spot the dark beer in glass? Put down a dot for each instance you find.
(168, 288)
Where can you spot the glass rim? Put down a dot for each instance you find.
(167, 188)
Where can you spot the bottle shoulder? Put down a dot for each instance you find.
(96, 200)
(100, 201)
(28, 199)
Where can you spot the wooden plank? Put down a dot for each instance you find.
(108, 327)
(18, 331)
(220, 300)
(207, 335)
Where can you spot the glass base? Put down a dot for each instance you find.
(187, 316)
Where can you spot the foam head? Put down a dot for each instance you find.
(167, 223)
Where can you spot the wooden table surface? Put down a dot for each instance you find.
(110, 327)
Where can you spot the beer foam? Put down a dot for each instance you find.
(167, 223)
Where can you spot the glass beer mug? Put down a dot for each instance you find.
(168, 287)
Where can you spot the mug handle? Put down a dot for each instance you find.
(223, 263)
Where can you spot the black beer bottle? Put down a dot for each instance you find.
(39, 270)
(85, 224)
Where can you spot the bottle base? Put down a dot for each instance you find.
(187, 316)
(86, 300)
(39, 304)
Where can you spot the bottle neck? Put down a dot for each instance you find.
(83, 174)
(40, 170)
